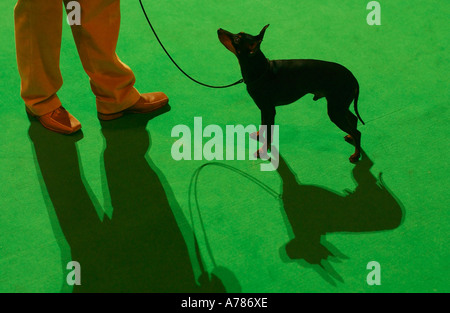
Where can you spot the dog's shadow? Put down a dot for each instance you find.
(313, 211)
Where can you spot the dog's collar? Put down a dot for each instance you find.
(254, 82)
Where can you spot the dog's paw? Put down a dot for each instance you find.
(354, 158)
(261, 154)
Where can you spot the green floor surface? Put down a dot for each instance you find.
(126, 213)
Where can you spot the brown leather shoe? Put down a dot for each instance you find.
(148, 102)
(59, 121)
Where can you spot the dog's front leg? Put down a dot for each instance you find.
(268, 122)
(259, 135)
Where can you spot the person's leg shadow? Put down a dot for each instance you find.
(312, 212)
(141, 248)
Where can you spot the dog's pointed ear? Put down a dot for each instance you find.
(257, 43)
(262, 32)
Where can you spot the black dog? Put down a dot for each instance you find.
(281, 82)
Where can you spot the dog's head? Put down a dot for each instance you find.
(242, 45)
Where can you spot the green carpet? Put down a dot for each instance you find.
(113, 199)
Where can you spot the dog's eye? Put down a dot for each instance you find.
(237, 40)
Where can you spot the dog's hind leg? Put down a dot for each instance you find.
(340, 115)
(353, 120)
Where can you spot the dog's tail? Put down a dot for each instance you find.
(355, 103)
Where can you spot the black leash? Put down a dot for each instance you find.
(175, 63)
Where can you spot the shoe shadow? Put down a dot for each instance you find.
(141, 247)
(313, 211)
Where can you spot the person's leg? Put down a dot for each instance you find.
(38, 28)
(96, 39)
(111, 80)
(38, 31)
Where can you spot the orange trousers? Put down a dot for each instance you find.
(38, 31)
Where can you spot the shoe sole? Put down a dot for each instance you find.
(113, 116)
